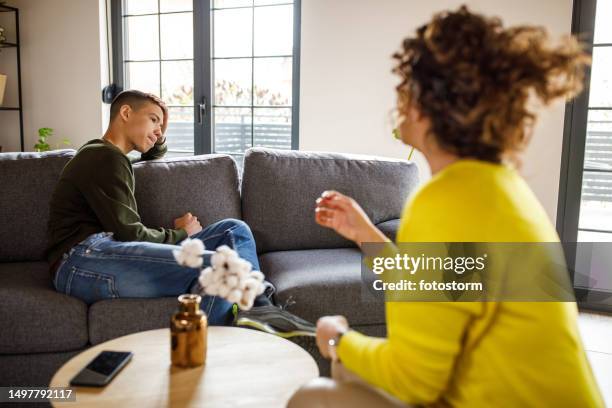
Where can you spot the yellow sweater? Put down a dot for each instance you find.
(476, 354)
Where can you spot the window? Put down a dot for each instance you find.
(228, 69)
(585, 196)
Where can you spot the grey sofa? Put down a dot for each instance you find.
(40, 329)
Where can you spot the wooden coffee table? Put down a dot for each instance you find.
(244, 368)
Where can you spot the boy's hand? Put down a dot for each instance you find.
(189, 223)
(164, 125)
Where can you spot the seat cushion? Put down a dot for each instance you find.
(34, 317)
(207, 186)
(279, 189)
(322, 282)
(113, 318)
(27, 180)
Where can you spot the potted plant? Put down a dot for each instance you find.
(42, 144)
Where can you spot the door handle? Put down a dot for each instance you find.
(201, 110)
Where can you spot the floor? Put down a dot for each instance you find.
(596, 330)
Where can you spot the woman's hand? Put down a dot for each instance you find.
(329, 327)
(342, 214)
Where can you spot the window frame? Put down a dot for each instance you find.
(202, 85)
(572, 160)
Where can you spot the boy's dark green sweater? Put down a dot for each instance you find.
(95, 193)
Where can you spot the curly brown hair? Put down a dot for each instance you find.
(473, 79)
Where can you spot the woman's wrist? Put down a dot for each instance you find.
(371, 234)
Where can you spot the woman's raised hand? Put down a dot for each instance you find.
(342, 214)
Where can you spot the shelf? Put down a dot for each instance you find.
(14, 45)
(4, 7)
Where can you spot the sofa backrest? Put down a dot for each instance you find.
(279, 189)
(207, 186)
(27, 181)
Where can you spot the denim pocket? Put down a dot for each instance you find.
(90, 286)
(92, 242)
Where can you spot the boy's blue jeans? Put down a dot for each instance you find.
(102, 268)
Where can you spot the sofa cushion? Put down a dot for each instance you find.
(279, 189)
(322, 282)
(207, 186)
(27, 181)
(113, 318)
(35, 318)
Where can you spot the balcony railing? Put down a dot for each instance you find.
(230, 138)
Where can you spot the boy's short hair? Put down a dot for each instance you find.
(134, 99)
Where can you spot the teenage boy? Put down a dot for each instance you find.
(98, 247)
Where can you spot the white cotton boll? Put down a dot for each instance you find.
(232, 257)
(233, 264)
(242, 283)
(224, 289)
(206, 277)
(239, 266)
(243, 273)
(234, 296)
(190, 254)
(246, 302)
(193, 261)
(217, 275)
(225, 250)
(203, 282)
(179, 256)
(257, 275)
(229, 253)
(254, 285)
(218, 259)
(251, 285)
(212, 289)
(193, 246)
(232, 281)
(246, 269)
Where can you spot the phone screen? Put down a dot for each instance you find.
(102, 369)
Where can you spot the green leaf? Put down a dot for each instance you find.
(45, 132)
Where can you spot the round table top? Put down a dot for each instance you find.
(245, 368)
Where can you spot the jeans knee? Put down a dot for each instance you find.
(237, 225)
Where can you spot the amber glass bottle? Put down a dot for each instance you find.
(188, 331)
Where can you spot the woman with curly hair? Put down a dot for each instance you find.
(467, 84)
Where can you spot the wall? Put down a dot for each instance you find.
(61, 71)
(347, 89)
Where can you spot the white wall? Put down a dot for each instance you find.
(61, 71)
(347, 88)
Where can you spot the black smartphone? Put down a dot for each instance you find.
(102, 369)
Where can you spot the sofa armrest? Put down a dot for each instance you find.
(389, 228)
